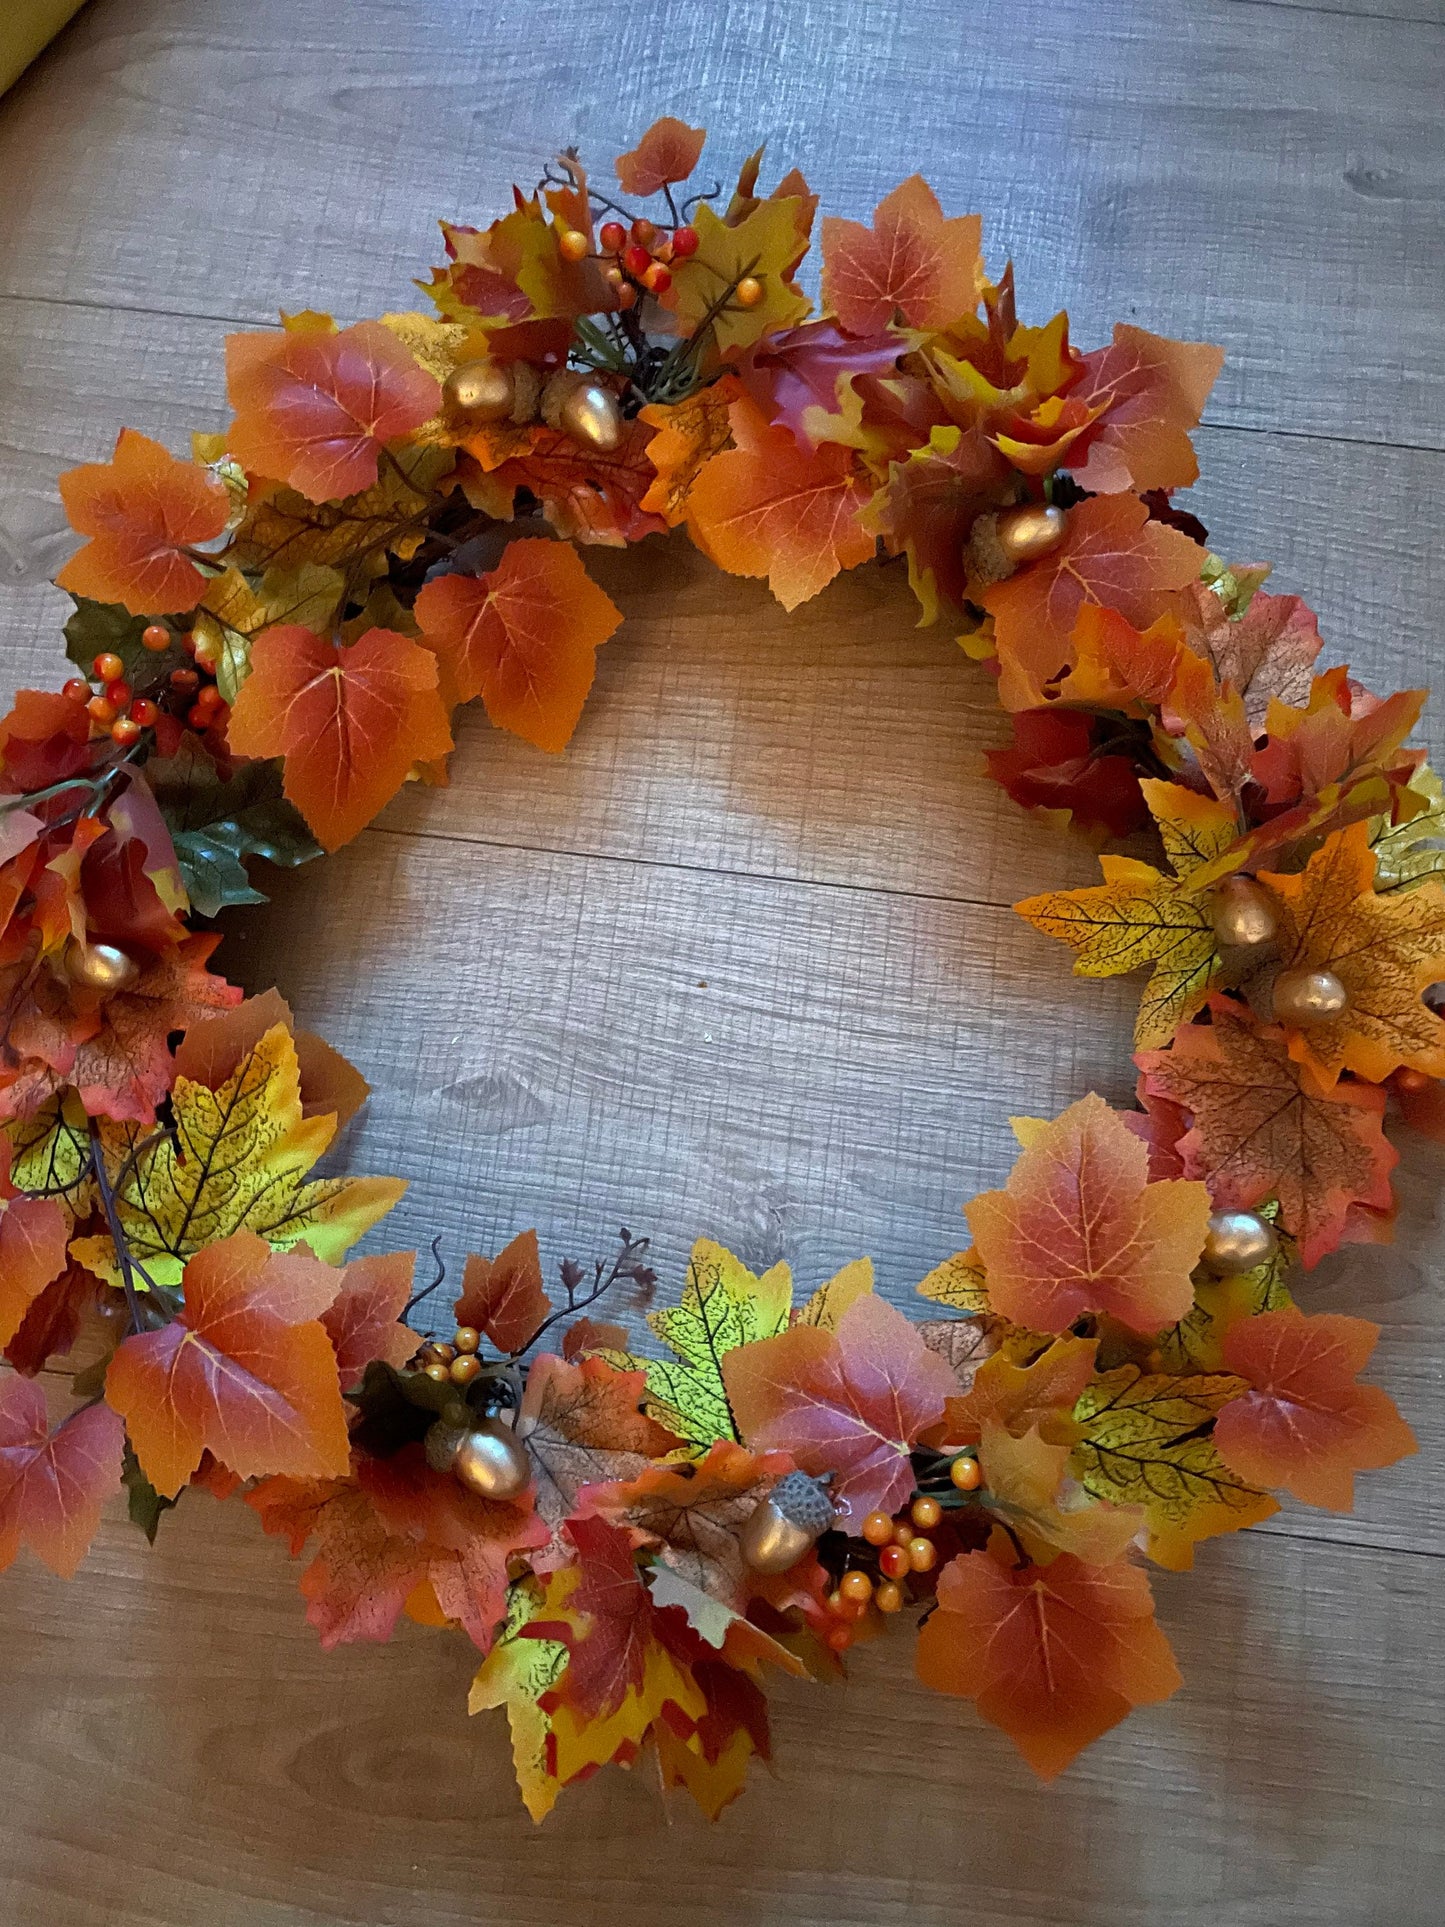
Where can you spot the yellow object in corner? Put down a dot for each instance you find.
(25, 27)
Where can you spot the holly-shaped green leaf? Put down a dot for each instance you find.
(217, 824)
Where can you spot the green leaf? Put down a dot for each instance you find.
(50, 1152)
(144, 1504)
(215, 825)
(1406, 854)
(100, 627)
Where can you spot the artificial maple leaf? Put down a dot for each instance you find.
(692, 1515)
(831, 1300)
(1057, 764)
(824, 385)
(516, 1674)
(958, 1282)
(237, 1161)
(49, 1152)
(1079, 1228)
(764, 246)
(712, 1763)
(911, 263)
(723, 1305)
(213, 1047)
(235, 612)
(1386, 951)
(1343, 736)
(1148, 392)
(1119, 667)
(363, 1321)
(282, 533)
(582, 1425)
(1412, 849)
(927, 507)
(689, 434)
(1262, 1127)
(245, 1370)
(1053, 1655)
(315, 409)
(1026, 1482)
(1140, 916)
(1196, 1343)
(666, 154)
(1021, 1397)
(1303, 1421)
(503, 1297)
(53, 1485)
(850, 1402)
(524, 637)
(587, 494)
(33, 1236)
(1266, 651)
(143, 510)
(56, 1319)
(1213, 720)
(1113, 554)
(350, 721)
(769, 508)
(1146, 1439)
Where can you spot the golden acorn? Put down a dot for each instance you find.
(481, 391)
(787, 1524)
(1029, 531)
(1238, 1241)
(1305, 997)
(1244, 914)
(100, 966)
(486, 1457)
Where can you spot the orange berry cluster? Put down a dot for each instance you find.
(117, 711)
(454, 1364)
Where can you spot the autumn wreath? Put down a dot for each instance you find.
(271, 638)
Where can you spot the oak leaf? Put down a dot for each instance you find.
(245, 1370)
(350, 721)
(1079, 1228)
(53, 1485)
(1304, 1422)
(1140, 916)
(1053, 1655)
(363, 1321)
(1147, 1440)
(769, 508)
(582, 1425)
(850, 1402)
(1149, 392)
(1261, 1126)
(315, 409)
(238, 1161)
(143, 510)
(1386, 950)
(524, 637)
(911, 263)
(1113, 554)
(666, 154)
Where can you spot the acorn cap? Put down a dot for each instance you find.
(442, 1443)
(803, 1502)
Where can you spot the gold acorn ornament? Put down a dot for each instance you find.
(1302, 998)
(485, 1455)
(582, 409)
(100, 966)
(1244, 914)
(479, 392)
(1238, 1241)
(787, 1524)
(1029, 531)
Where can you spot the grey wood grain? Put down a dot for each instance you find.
(182, 1754)
(1266, 177)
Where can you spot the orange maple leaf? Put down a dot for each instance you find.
(1079, 1228)
(1266, 653)
(1148, 392)
(503, 1297)
(689, 434)
(911, 262)
(142, 510)
(770, 508)
(363, 1319)
(1017, 1397)
(712, 1764)
(1112, 553)
(315, 408)
(1306, 1424)
(246, 1370)
(1385, 950)
(1261, 1126)
(1053, 1655)
(53, 1484)
(666, 154)
(350, 721)
(33, 1236)
(524, 637)
(851, 1402)
(587, 494)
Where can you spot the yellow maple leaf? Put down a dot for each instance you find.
(1411, 849)
(689, 434)
(237, 1161)
(516, 1673)
(765, 246)
(1026, 1485)
(50, 1153)
(233, 612)
(1141, 916)
(1385, 950)
(1148, 1441)
(829, 1302)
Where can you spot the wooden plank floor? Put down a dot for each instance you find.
(743, 962)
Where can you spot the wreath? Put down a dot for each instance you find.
(270, 638)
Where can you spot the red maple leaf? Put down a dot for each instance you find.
(363, 1320)
(53, 1485)
(911, 262)
(666, 154)
(503, 1297)
(1151, 392)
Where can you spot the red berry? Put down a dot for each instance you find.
(626, 297)
(125, 732)
(156, 637)
(118, 694)
(840, 1638)
(143, 712)
(107, 667)
(198, 718)
(684, 241)
(211, 698)
(188, 642)
(185, 681)
(77, 689)
(657, 278)
(893, 1562)
(100, 711)
(643, 232)
(637, 261)
(612, 236)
